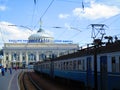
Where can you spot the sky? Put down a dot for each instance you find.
(63, 19)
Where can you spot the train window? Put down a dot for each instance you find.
(119, 63)
(66, 65)
(61, 65)
(79, 65)
(44, 66)
(70, 65)
(113, 59)
(58, 65)
(113, 64)
(74, 65)
(55, 65)
(83, 64)
(79, 62)
(47, 66)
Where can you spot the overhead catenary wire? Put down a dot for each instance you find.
(107, 20)
(33, 13)
(44, 12)
(75, 19)
(40, 20)
(113, 20)
(47, 9)
(82, 4)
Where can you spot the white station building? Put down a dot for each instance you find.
(40, 46)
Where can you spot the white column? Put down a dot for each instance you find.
(10, 59)
(37, 56)
(58, 53)
(26, 58)
(20, 55)
(4, 58)
(9, 56)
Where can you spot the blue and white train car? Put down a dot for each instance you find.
(74, 69)
(80, 66)
(43, 67)
(109, 71)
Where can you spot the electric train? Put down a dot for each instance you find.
(81, 65)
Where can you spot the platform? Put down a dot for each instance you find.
(10, 81)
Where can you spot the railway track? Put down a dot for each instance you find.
(31, 81)
(27, 82)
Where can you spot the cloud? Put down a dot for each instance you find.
(2, 8)
(63, 16)
(12, 32)
(96, 11)
(8, 33)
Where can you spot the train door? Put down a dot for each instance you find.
(103, 73)
(52, 69)
(89, 71)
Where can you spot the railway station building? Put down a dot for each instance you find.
(40, 46)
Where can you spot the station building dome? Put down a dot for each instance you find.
(41, 37)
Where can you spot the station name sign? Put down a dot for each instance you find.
(26, 41)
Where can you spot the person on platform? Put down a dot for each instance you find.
(3, 71)
(6, 67)
(16, 68)
(10, 69)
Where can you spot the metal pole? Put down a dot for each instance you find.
(95, 68)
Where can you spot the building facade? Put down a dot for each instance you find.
(40, 46)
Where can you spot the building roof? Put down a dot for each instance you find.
(41, 37)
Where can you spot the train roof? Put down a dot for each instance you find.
(107, 48)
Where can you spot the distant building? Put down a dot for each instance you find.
(1, 57)
(1, 60)
(40, 46)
